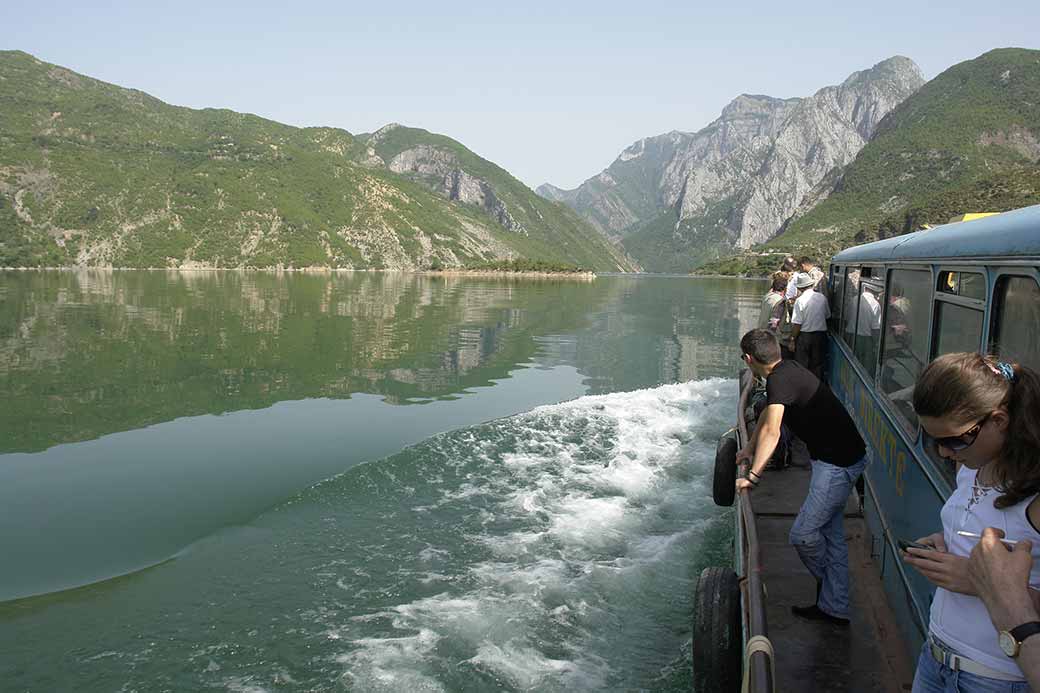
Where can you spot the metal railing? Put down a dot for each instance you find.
(758, 650)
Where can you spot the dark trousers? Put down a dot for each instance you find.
(810, 350)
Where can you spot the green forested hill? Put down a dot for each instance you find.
(94, 174)
(449, 168)
(967, 141)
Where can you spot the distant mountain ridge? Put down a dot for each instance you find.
(680, 198)
(92, 174)
(967, 141)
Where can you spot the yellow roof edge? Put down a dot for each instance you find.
(971, 216)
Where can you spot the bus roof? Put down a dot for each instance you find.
(1014, 234)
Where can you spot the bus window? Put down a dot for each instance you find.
(849, 304)
(904, 350)
(837, 290)
(1016, 329)
(966, 284)
(868, 325)
(957, 328)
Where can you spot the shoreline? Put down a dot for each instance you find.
(584, 276)
(310, 270)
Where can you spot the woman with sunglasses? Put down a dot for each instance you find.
(980, 413)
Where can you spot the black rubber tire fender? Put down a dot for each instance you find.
(718, 640)
(724, 483)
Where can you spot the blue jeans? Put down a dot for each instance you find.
(933, 677)
(818, 533)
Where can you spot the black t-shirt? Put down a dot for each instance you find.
(814, 414)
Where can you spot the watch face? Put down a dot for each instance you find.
(1008, 644)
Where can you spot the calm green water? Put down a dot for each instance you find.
(359, 482)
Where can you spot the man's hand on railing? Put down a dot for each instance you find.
(744, 485)
(744, 455)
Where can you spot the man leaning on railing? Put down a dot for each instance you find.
(798, 399)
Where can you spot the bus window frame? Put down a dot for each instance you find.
(998, 272)
(981, 305)
(837, 331)
(911, 434)
(913, 431)
(939, 297)
(839, 327)
(878, 284)
(962, 269)
(836, 271)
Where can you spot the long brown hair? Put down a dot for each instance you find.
(969, 386)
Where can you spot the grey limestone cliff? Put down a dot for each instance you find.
(442, 170)
(739, 180)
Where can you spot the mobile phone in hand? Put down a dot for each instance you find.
(904, 545)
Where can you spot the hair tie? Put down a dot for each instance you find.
(1006, 370)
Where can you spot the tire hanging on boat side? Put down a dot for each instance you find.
(717, 635)
(724, 488)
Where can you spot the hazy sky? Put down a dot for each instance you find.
(551, 91)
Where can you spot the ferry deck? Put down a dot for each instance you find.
(896, 304)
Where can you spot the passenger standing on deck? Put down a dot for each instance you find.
(798, 399)
(774, 310)
(809, 326)
(808, 266)
(790, 267)
(982, 414)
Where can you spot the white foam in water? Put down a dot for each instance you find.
(580, 492)
(390, 664)
(590, 522)
(524, 666)
(242, 685)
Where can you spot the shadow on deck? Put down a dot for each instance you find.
(869, 655)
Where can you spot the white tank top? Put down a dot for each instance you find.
(961, 620)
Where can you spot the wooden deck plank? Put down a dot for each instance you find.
(867, 657)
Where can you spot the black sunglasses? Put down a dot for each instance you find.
(964, 440)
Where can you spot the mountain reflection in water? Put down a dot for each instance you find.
(147, 410)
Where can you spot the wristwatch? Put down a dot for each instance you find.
(1011, 640)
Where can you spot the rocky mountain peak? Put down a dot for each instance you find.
(896, 68)
(739, 180)
(551, 192)
(752, 105)
(377, 136)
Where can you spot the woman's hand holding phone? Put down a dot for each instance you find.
(933, 541)
(942, 569)
(907, 545)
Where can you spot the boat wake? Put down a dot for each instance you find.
(551, 550)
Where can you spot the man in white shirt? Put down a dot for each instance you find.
(868, 327)
(809, 321)
(868, 322)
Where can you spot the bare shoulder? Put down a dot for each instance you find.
(1033, 512)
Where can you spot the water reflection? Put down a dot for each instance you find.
(111, 381)
(83, 354)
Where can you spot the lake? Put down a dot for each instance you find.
(359, 481)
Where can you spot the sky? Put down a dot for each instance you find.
(550, 91)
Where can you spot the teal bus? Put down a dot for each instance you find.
(896, 304)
